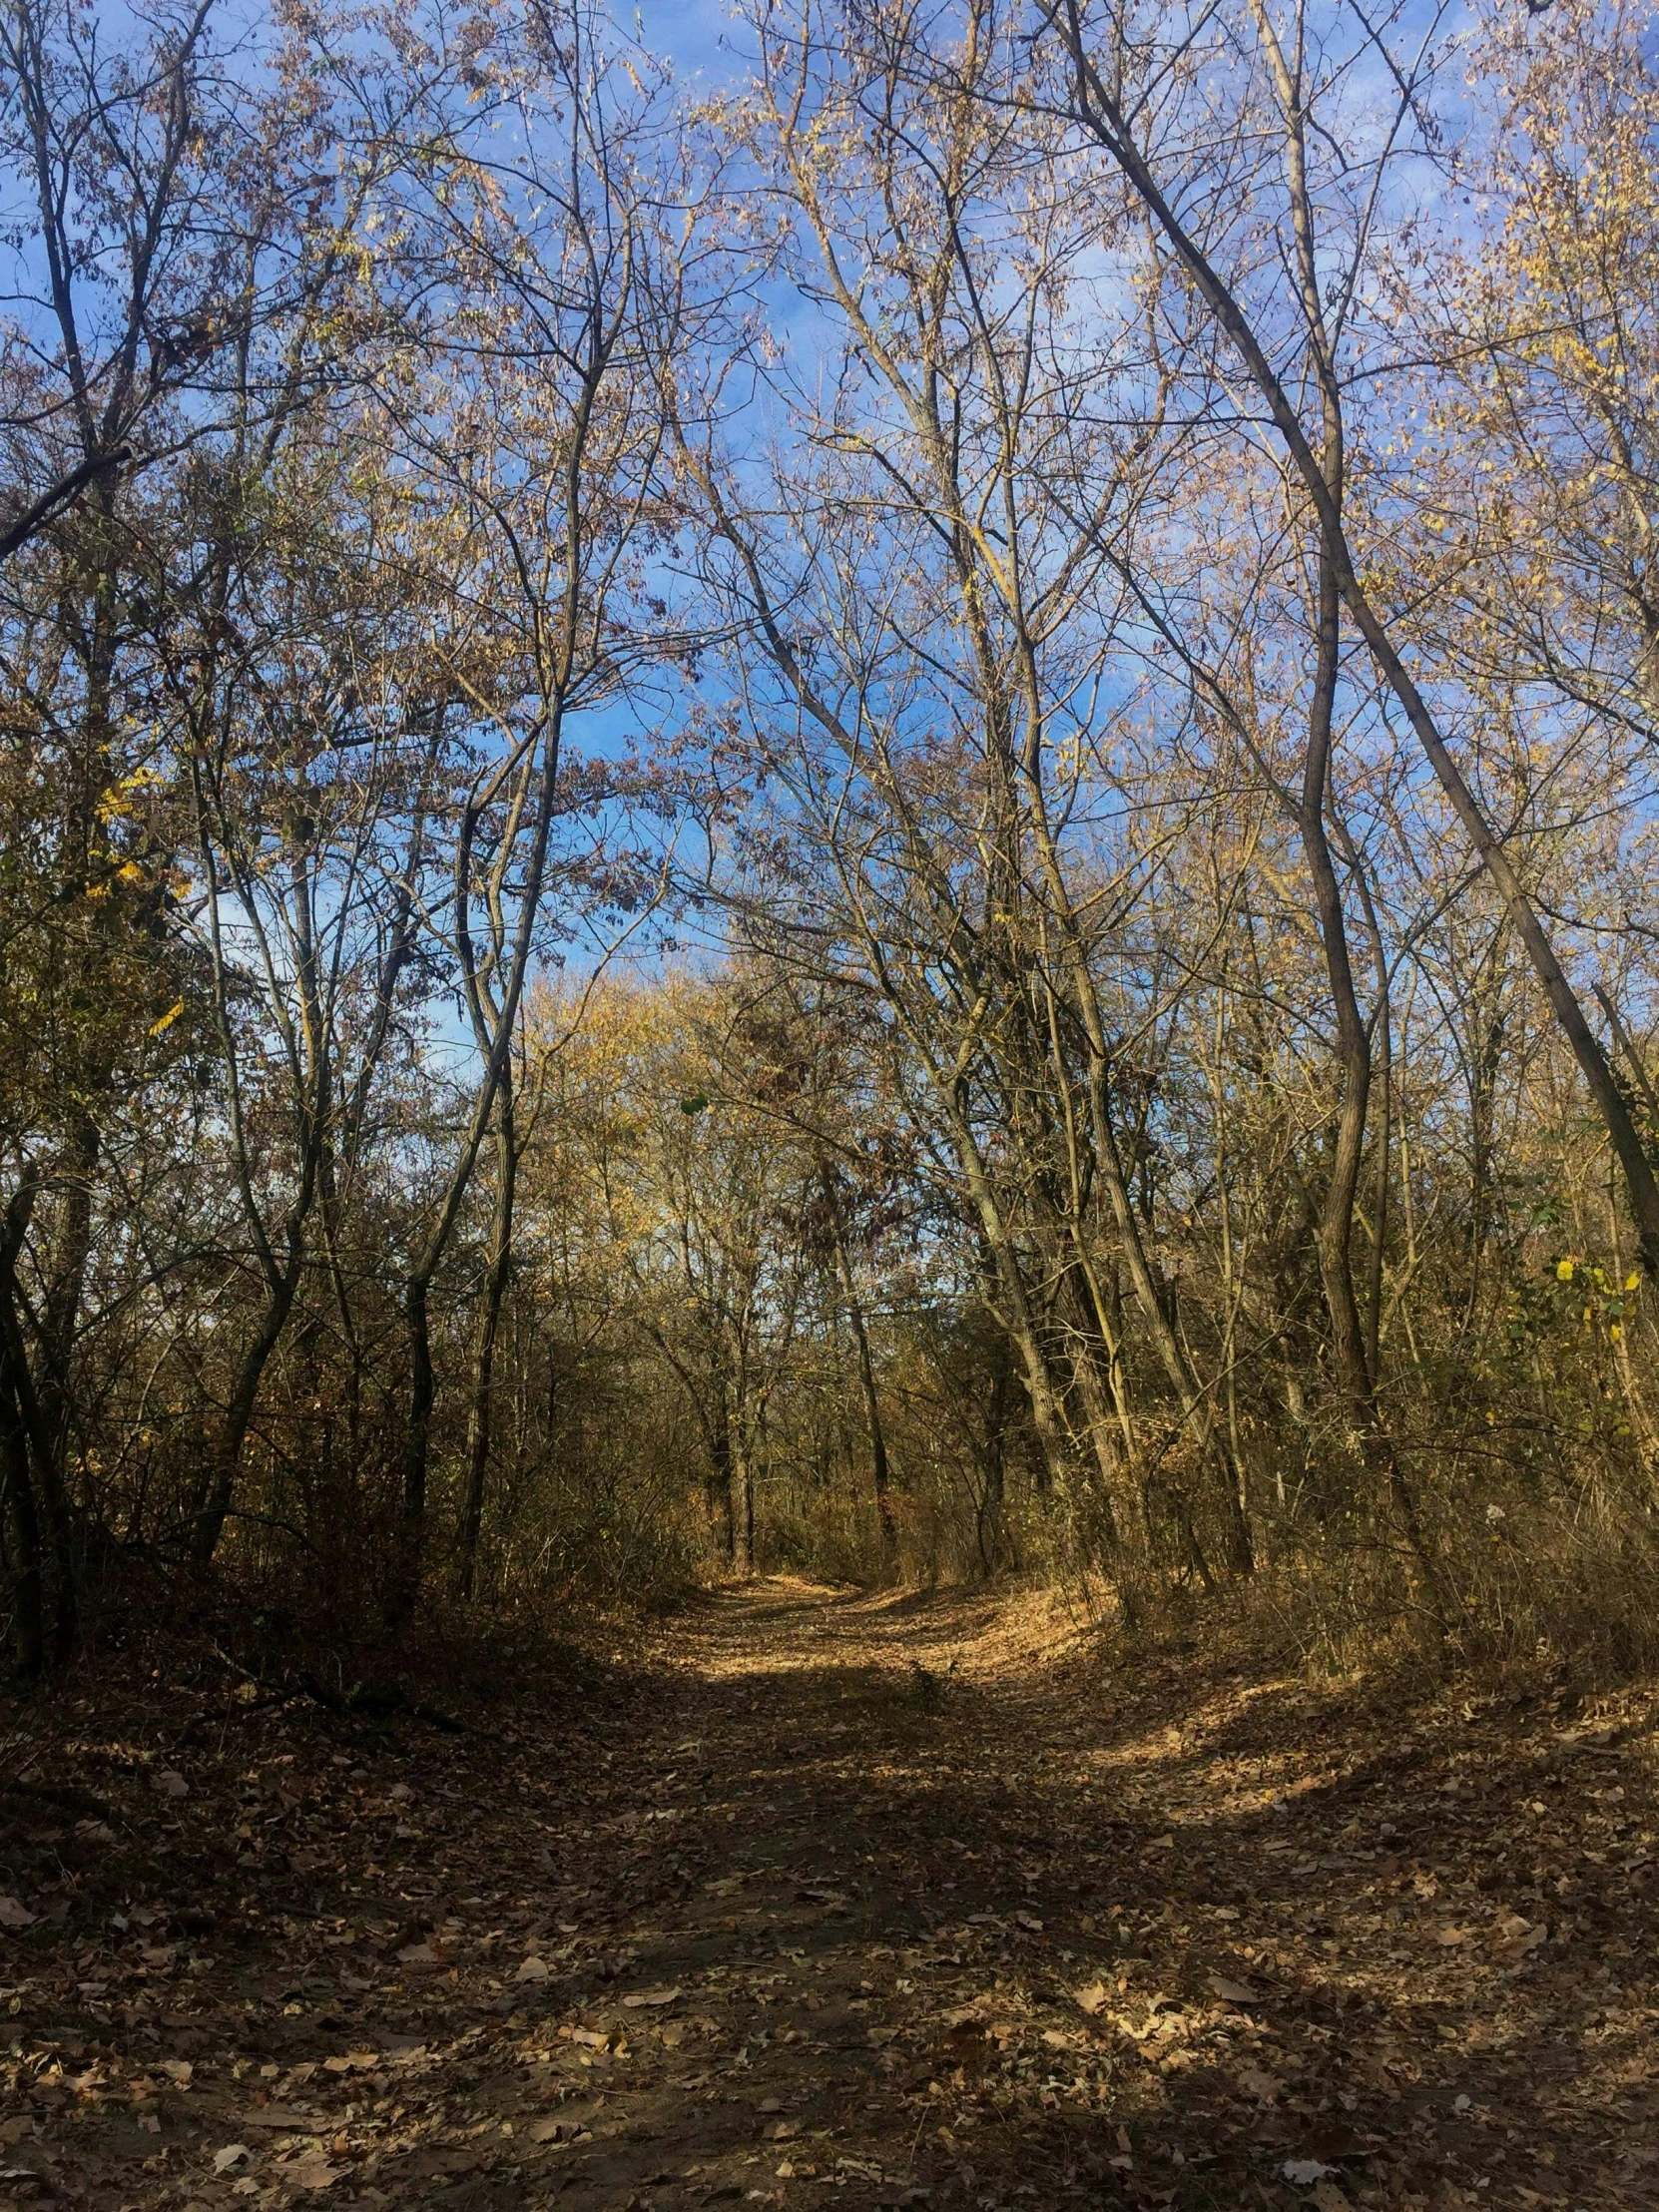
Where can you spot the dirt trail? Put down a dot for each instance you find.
(854, 1901)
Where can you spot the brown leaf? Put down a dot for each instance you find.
(315, 2171)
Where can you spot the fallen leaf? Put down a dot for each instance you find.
(1304, 2172)
(1231, 1993)
(1520, 1937)
(15, 1915)
(534, 1969)
(315, 2171)
(172, 1784)
(651, 1997)
(1255, 2084)
(1029, 1921)
(1091, 1997)
(232, 2158)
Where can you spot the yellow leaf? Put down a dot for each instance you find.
(167, 1020)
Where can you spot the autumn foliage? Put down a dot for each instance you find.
(889, 817)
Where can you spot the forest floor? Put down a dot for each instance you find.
(814, 1898)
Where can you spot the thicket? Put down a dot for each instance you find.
(894, 819)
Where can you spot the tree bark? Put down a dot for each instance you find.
(498, 1266)
(23, 1529)
(880, 1479)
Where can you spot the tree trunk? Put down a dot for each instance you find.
(33, 1478)
(49, 1417)
(418, 1445)
(987, 1529)
(740, 1501)
(866, 1384)
(497, 1269)
(238, 1420)
(23, 1536)
(1197, 1407)
(722, 1488)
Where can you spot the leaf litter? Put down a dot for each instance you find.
(1165, 1937)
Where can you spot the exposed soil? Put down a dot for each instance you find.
(827, 1898)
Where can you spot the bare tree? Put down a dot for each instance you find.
(1126, 90)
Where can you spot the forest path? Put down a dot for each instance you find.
(858, 1901)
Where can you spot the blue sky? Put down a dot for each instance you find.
(688, 31)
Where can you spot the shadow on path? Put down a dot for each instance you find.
(861, 1900)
